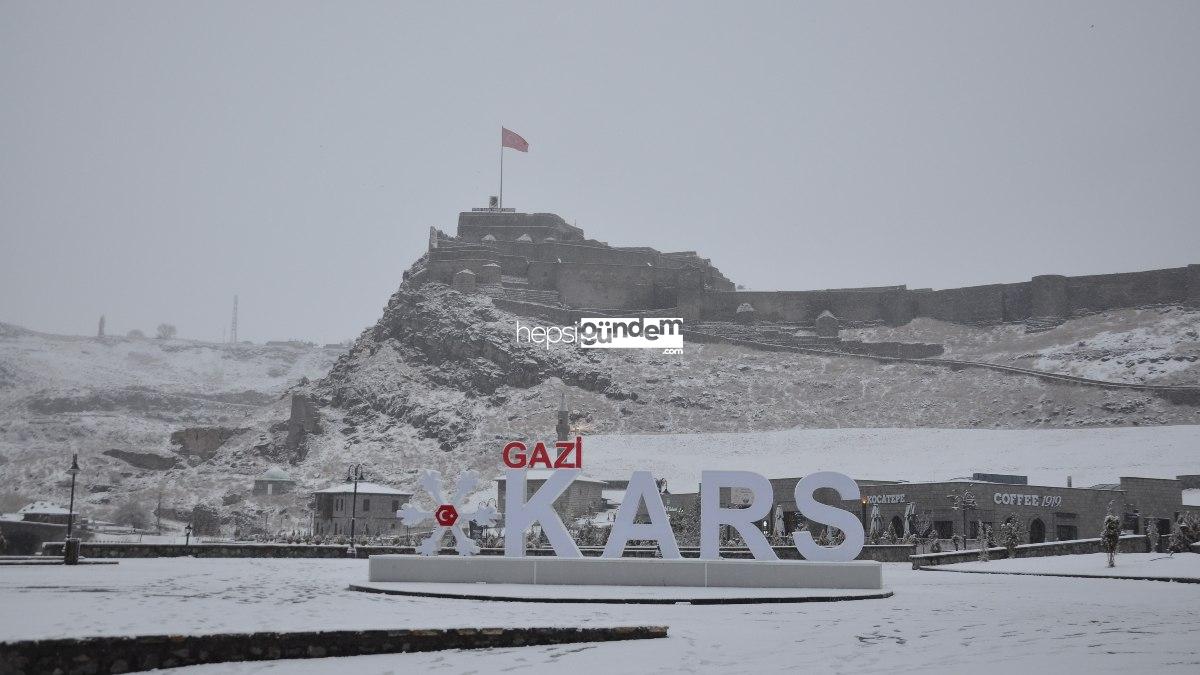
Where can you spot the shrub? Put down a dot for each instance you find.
(132, 513)
(1110, 536)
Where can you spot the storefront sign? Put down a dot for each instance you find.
(1017, 499)
(886, 499)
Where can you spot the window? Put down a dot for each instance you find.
(1037, 531)
(945, 528)
(395, 504)
(1067, 532)
(975, 528)
(366, 505)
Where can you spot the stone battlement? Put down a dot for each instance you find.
(545, 252)
(555, 259)
(1046, 297)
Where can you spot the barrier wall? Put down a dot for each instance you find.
(1130, 543)
(123, 654)
(879, 553)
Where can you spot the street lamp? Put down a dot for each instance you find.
(354, 475)
(964, 501)
(71, 545)
(864, 512)
(187, 535)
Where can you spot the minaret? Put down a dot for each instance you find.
(563, 428)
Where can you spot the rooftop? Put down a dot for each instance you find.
(44, 508)
(274, 473)
(364, 488)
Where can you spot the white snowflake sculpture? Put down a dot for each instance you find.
(447, 515)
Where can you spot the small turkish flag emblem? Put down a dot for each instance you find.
(446, 515)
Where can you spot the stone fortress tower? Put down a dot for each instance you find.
(538, 259)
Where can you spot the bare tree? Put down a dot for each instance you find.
(165, 331)
(135, 333)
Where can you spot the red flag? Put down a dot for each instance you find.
(511, 139)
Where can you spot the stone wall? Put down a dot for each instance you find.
(1130, 543)
(852, 307)
(1189, 482)
(1043, 296)
(1155, 498)
(202, 442)
(508, 226)
(116, 654)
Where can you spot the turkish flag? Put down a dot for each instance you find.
(511, 139)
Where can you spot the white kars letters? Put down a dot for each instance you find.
(521, 513)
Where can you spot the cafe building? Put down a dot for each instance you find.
(954, 507)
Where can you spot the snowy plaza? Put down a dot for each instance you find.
(934, 622)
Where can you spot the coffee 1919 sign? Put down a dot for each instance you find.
(522, 512)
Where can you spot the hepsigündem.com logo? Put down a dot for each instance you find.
(610, 333)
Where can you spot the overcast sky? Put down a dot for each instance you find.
(158, 157)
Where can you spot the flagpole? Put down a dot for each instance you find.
(500, 203)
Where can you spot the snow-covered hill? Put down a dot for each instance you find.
(1046, 456)
(440, 382)
(123, 396)
(1159, 345)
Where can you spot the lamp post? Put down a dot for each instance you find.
(864, 513)
(71, 545)
(964, 501)
(187, 535)
(354, 475)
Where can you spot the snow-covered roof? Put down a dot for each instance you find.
(1191, 497)
(44, 508)
(364, 487)
(274, 473)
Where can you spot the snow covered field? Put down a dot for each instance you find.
(1047, 456)
(935, 621)
(1128, 564)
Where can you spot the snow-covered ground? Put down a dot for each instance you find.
(1153, 344)
(1047, 456)
(1128, 565)
(935, 621)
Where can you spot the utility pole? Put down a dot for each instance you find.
(158, 510)
(355, 474)
(233, 338)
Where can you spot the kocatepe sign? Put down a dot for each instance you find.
(886, 499)
(522, 511)
(609, 333)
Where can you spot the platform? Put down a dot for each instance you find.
(633, 595)
(630, 572)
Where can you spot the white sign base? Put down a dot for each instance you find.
(857, 574)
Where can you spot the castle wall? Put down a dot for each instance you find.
(1106, 291)
(1043, 296)
(508, 226)
(851, 306)
(443, 271)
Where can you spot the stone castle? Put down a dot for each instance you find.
(539, 258)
